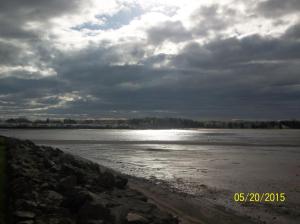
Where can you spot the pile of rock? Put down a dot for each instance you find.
(48, 186)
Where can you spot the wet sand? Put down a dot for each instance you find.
(192, 210)
(187, 208)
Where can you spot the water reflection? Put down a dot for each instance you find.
(160, 135)
(173, 136)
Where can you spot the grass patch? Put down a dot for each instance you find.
(2, 181)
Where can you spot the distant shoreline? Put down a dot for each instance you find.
(146, 123)
(120, 128)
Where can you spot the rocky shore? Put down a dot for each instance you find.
(48, 186)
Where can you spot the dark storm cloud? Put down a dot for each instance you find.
(168, 31)
(9, 53)
(206, 19)
(225, 53)
(251, 77)
(15, 15)
(250, 72)
(229, 73)
(38, 10)
(12, 28)
(254, 70)
(275, 8)
(92, 66)
(293, 32)
(253, 57)
(12, 85)
(21, 45)
(17, 93)
(212, 18)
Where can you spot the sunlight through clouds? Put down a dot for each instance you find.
(140, 55)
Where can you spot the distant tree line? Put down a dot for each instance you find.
(145, 123)
(187, 123)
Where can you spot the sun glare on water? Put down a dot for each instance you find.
(160, 135)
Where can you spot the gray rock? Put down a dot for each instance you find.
(52, 219)
(107, 180)
(25, 204)
(24, 215)
(55, 168)
(49, 200)
(95, 209)
(136, 195)
(68, 183)
(120, 182)
(119, 214)
(26, 222)
(76, 198)
(45, 185)
(48, 163)
(94, 222)
(53, 195)
(135, 218)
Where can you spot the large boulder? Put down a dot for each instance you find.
(106, 180)
(77, 197)
(24, 215)
(119, 213)
(68, 183)
(95, 209)
(136, 218)
(120, 182)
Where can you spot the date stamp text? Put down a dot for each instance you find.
(255, 197)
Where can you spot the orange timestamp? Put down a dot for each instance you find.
(256, 197)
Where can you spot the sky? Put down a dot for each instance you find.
(200, 59)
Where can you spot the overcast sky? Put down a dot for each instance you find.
(229, 59)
